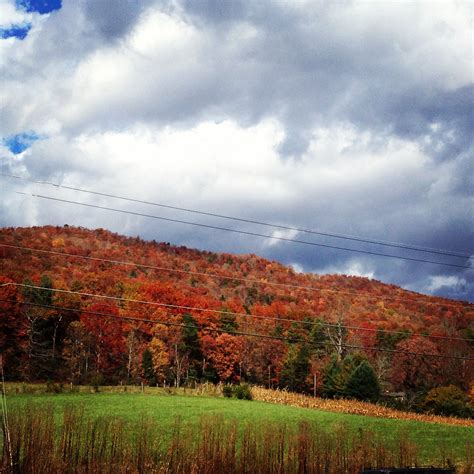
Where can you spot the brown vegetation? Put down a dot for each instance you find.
(353, 407)
(109, 445)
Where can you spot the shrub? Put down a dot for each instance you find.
(96, 382)
(242, 392)
(449, 401)
(227, 391)
(52, 387)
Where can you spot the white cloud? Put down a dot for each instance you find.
(352, 267)
(235, 170)
(9, 15)
(297, 267)
(439, 281)
(168, 68)
(281, 234)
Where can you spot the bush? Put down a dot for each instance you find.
(227, 391)
(448, 401)
(96, 382)
(52, 387)
(242, 392)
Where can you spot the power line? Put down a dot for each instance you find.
(242, 232)
(222, 312)
(236, 333)
(220, 276)
(250, 221)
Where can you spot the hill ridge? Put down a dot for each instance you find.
(241, 293)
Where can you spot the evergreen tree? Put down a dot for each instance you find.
(41, 325)
(363, 384)
(337, 373)
(190, 337)
(228, 322)
(332, 378)
(388, 341)
(318, 337)
(277, 331)
(41, 295)
(350, 363)
(294, 333)
(147, 367)
(296, 369)
(191, 346)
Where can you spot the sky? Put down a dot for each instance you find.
(347, 117)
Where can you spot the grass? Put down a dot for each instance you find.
(431, 438)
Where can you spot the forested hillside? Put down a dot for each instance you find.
(216, 317)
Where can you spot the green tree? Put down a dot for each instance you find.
(41, 329)
(318, 337)
(362, 383)
(277, 331)
(333, 380)
(191, 347)
(296, 368)
(448, 401)
(227, 321)
(147, 367)
(295, 333)
(337, 373)
(388, 341)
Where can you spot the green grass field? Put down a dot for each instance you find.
(165, 408)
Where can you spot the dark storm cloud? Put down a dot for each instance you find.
(316, 77)
(316, 73)
(454, 283)
(445, 116)
(305, 66)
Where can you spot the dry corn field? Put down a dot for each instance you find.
(352, 407)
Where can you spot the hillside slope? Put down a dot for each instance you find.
(264, 294)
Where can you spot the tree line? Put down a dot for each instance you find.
(93, 344)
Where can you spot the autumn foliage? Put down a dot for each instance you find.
(199, 315)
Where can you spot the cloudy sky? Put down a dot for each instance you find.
(346, 117)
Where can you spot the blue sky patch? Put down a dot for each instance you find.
(15, 31)
(20, 142)
(39, 6)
